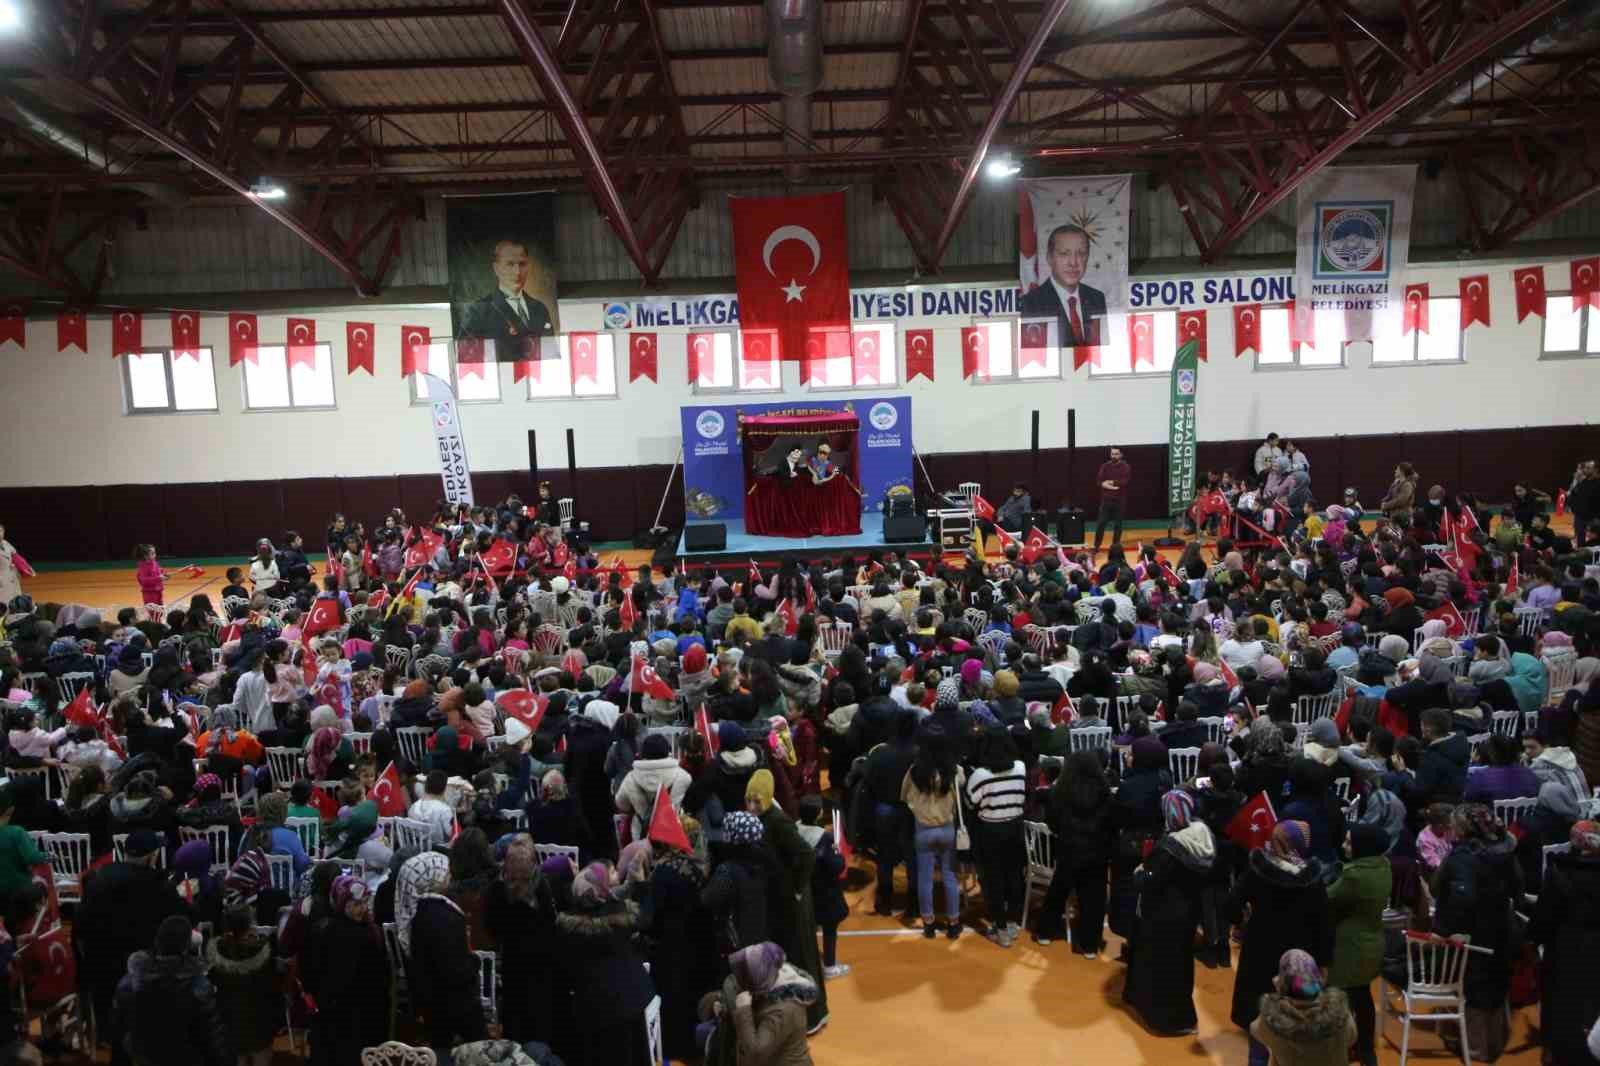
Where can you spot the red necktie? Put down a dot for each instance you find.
(1077, 323)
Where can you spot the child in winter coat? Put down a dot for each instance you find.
(827, 893)
(1301, 1021)
(152, 579)
(248, 993)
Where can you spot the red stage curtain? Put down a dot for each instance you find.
(798, 508)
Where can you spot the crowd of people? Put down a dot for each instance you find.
(930, 712)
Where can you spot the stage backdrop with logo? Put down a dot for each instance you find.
(713, 474)
(1352, 244)
(501, 255)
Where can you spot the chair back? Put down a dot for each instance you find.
(398, 657)
(280, 871)
(215, 836)
(1544, 857)
(835, 638)
(488, 985)
(543, 852)
(1505, 723)
(412, 833)
(1510, 812)
(1341, 788)
(360, 743)
(69, 685)
(394, 1053)
(1216, 728)
(1478, 740)
(284, 764)
(1308, 709)
(413, 744)
(1090, 738)
(564, 508)
(309, 830)
(652, 1032)
(1185, 763)
(70, 855)
(1561, 673)
(1436, 967)
(1040, 842)
(1528, 619)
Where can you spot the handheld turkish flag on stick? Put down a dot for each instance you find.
(664, 825)
(1513, 578)
(1454, 624)
(792, 266)
(627, 614)
(526, 707)
(1006, 539)
(644, 680)
(846, 852)
(389, 793)
(1063, 710)
(1036, 545)
(80, 711)
(27, 571)
(702, 725)
(790, 622)
(1561, 504)
(1227, 674)
(327, 807)
(1252, 827)
(983, 508)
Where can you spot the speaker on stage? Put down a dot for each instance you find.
(705, 537)
(904, 529)
(1070, 523)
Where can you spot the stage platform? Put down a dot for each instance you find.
(743, 546)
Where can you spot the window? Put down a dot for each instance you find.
(158, 381)
(270, 385)
(1441, 344)
(1570, 330)
(1326, 347)
(551, 378)
(1115, 356)
(478, 382)
(1001, 350)
(724, 360)
(876, 343)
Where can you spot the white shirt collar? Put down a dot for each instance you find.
(1063, 293)
(513, 297)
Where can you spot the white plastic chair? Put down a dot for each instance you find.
(1216, 728)
(835, 638)
(1510, 812)
(1561, 672)
(1529, 619)
(394, 1053)
(412, 833)
(309, 830)
(1436, 970)
(216, 836)
(280, 871)
(1090, 738)
(1308, 709)
(1185, 763)
(284, 765)
(70, 855)
(488, 985)
(652, 1031)
(1505, 723)
(398, 657)
(1040, 842)
(69, 685)
(543, 852)
(413, 743)
(1478, 740)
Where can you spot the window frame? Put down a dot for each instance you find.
(1013, 325)
(1581, 352)
(333, 385)
(735, 337)
(1414, 337)
(887, 356)
(566, 366)
(491, 367)
(1294, 362)
(1131, 374)
(171, 408)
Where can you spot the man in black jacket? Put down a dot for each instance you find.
(1186, 731)
(1034, 685)
(887, 766)
(166, 1007)
(1442, 774)
(1583, 499)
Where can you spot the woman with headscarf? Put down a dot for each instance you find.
(1529, 681)
(1136, 821)
(678, 928)
(1566, 923)
(521, 915)
(1357, 901)
(452, 751)
(762, 1011)
(1160, 982)
(1279, 903)
(610, 987)
(796, 862)
(1209, 692)
(191, 876)
(1474, 891)
(1311, 800)
(1304, 1019)
(1265, 765)
(328, 755)
(1080, 816)
(744, 894)
(1403, 617)
(433, 936)
(345, 969)
(1386, 811)
(352, 830)
(588, 739)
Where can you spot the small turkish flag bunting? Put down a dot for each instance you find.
(1302, 326)
(758, 357)
(583, 348)
(700, 348)
(1474, 300)
(185, 335)
(1036, 343)
(72, 327)
(358, 347)
(1530, 291)
(864, 357)
(1246, 329)
(1586, 282)
(1142, 339)
(919, 353)
(14, 324)
(641, 356)
(302, 333)
(1414, 315)
(974, 352)
(414, 341)
(1192, 327)
(127, 333)
(242, 342)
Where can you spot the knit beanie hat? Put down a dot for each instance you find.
(948, 695)
(694, 659)
(1325, 733)
(655, 746)
(760, 789)
(1005, 684)
(742, 827)
(730, 736)
(173, 935)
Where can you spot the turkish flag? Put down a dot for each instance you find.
(1006, 539)
(703, 726)
(242, 340)
(1142, 339)
(127, 333)
(582, 350)
(526, 707)
(974, 352)
(1513, 579)
(1228, 675)
(358, 347)
(1455, 625)
(72, 328)
(14, 324)
(1246, 329)
(1586, 281)
(185, 335)
(792, 266)
(700, 349)
(389, 793)
(644, 680)
(323, 616)
(1414, 315)
(627, 614)
(864, 357)
(1474, 300)
(1530, 291)
(1036, 343)
(414, 341)
(421, 552)
(1036, 545)
(368, 565)
(501, 558)
(641, 356)
(1085, 353)
(1302, 327)
(302, 334)
(1192, 327)
(327, 807)
(983, 508)
(1063, 710)
(81, 712)
(822, 347)
(919, 353)
(1252, 826)
(759, 358)
(664, 825)
(791, 622)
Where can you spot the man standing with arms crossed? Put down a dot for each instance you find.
(1113, 477)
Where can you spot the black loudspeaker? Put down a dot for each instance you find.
(533, 464)
(705, 537)
(665, 554)
(899, 505)
(572, 474)
(1070, 526)
(904, 529)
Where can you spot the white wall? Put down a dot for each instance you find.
(62, 418)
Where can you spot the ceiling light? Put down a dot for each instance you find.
(1002, 167)
(10, 16)
(262, 190)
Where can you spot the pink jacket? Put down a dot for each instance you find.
(149, 575)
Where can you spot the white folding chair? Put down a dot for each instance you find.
(399, 658)
(1529, 619)
(1216, 728)
(284, 765)
(1040, 842)
(1090, 738)
(69, 685)
(1561, 673)
(412, 833)
(360, 743)
(70, 855)
(1505, 723)
(488, 990)
(1478, 740)
(1341, 788)
(518, 818)
(394, 1053)
(309, 830)
(1510, 812)
(835, 638)
(399, 992)
(216, 836)
(652, 1031)
(1185, 763)
(1126, 705)
(1308, 709)
(1435, 989)
(413, 744)
(41, 773)
(543, 852)
(280, 871)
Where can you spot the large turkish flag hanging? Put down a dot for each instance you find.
(792, 266)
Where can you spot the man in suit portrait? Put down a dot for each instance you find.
(509, 316)
(1077, 308)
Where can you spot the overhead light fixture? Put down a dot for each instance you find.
(1002, 167)
(262, 190)
(10, 16)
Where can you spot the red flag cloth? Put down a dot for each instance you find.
(185, 335)
(389, 793)
(627, 614)
(1252, 826)
(27, 571)
(664, 825)
(1228, 675)
(81, 712)
(700, 350)
(1514, 578)
(369, 566)
(1035, 344)
(414, 341)
(1585, 275)
(421, 552)
(974, 352)
(1006, 539)
(302, 342)
(983, 508)
(1192, 327)
(641, 357)
(72, 327)
(1035, 545)
(127, 333)
(583, 350)
(1474, 300)
(561, 555)
(1530, 291)
(792, 266)
(358, 347)
(755, 576)
(791, 622)
(919, 353)
(1246, 329)
(1454, 624)
(1085, 354)
(864, 357)
(644, 680)
(327, 807)
(335, 567)
(14, 324)
(501, 558)
(1414, 313)
(1142, 339)
(1561, 504)
(242, 339)
(323, 616)
(703, 726)
(1063, 710)
(45, 960)
(759, 359)
(526, 707)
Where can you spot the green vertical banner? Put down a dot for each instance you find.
(1181, 429)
